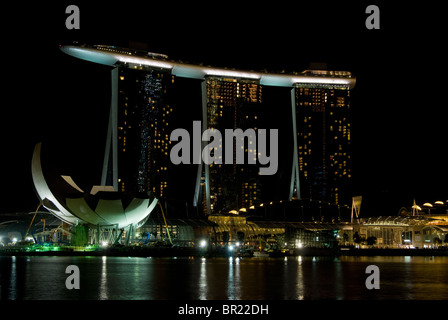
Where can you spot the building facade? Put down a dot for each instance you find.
(138, 147)
(323, 139)
(139, 130)
(233, 104)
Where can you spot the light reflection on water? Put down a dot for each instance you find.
(292, 278)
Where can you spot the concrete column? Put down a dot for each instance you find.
(295, 159)
(112, 136)
(203, 144)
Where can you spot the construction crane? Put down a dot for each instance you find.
(166, 225)
(32, 220)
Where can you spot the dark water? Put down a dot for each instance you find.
(289, 278)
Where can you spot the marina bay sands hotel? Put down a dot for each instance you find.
(143, 115)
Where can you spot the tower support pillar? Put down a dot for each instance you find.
(294, 188)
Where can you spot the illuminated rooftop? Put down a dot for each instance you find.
(110, 56)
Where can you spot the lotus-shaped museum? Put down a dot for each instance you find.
(101, 207)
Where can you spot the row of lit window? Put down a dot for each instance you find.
(163, 185)
(344, 173)
(341, 165)
(230, 95)
(340, 129)
(305, 146)
(155, 124)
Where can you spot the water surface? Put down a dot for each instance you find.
(292, 278)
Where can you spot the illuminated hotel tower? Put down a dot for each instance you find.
(137, 156)
(232, 103)
(323, 138)
(137, 148)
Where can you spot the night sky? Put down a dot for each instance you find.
(398, 105)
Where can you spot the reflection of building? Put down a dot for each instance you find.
(323, 139)
(232, 104)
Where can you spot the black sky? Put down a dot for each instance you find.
(399, 119)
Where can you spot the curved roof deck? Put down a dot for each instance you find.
(110, 56)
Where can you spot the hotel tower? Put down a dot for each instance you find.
(137, 153)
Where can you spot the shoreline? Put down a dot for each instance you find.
(197, 252)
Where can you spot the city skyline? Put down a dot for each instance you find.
(67, 122)
(397, 135)
(143, 104)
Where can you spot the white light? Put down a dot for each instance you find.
(198, 72)
(14, 240)
(238, 244)
(104, 244)
(320, 80)
(231, 73)
(230, 248)
(146, 62)
(203, 243)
